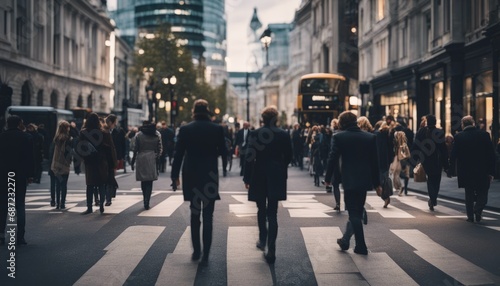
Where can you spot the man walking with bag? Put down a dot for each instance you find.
(355, 151)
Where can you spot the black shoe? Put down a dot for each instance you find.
(470, 220)
(88, 211)
(146, 207)
(260, 245)
(362, 251)
(96, 203)
(57, 207)
(343, 245)
(204, 260)
(196, 256)
(478, 217)
(270, 258)
(224, 173)
(21, 241)
(101, 209)
(107, 204)
(52, 203)
(337, 207)
(365, 217)
(431, 206)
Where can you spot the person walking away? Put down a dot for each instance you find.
(316, 159)
(334, 124)
(430, 149)
(17, 167)
(474, 156)
(240, 143)
(38, 151)
(198, 145)
(75, 135)
(97, 149)
(355, 151)
(385, 157)
(118, 137)
(63, 149)
(148, 148)
(167, 139)
(267, 159)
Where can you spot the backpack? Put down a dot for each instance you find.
(403, 152)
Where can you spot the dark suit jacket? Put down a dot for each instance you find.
(167, 139)
(429, 148)
(199, 143)
(118, 136)
(475, 157)
(16, 154)
(267, 157)
(240, 138)
(359, 163)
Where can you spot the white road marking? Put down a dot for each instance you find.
(390, 212)
(245, 208)
(306, 206)
(165, 208)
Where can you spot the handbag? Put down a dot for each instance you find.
(403, 152)
(419, 174)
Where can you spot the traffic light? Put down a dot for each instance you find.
(175, 107)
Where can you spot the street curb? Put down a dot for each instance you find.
(489, 208)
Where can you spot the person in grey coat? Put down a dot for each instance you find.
(198, 146)
(147, 149)
(266, 171)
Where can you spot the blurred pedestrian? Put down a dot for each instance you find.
(75, 135)
(148, 148)
(316, 159)
(241, 144)
(60, 166)
(355, 152)
(198, 146)
(16, 167)
(399, 167)
(298, 146)
(475, 158)
(118, 137)
(429, 149)
(97, 149)
(38, 145)
(267, 159)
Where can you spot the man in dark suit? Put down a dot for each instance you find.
(475, 157)
(199, 143)
(430, 149)
(167, 139)
(298, 145)
(241, 143)
(356, 152)
(17, 168)
(267, 157)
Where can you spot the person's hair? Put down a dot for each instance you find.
(334, 124)
(364, 124)
(269, 115)
(13, 121)
(111, 118)
(93, 122)
(431, 120)
(62, 132)
(399, 138)
(32, 127)
(378, 124)
(347, 119)
(467, 121)
(200, 109)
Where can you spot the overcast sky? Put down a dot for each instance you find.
(239, 13)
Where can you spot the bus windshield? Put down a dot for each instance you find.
(319, 85)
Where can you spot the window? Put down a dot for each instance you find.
(381, 52)
(5, 23)
(446, 15)
(380, 9)
(404, 40)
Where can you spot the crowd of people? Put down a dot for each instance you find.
(350, 152)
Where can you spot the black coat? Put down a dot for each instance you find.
(475, 157)
(430, 149)
(384, 150)
(98, 172)
(267, 157)
(359, 166)
(16, 154)
(199, 143)
(167, 139)
(118, 136)
(240, 138)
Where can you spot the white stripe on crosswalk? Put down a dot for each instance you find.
(391, 212)
(120, 204)
(422, 205)
(165, 208)
(306, 206)
(245, 262)
(178, 266)
(450, 263)
(122, 256)
(497, 228)
(245, 208)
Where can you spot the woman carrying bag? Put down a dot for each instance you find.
(147, 149)
(61, 162)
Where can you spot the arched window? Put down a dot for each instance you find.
(54, 99)
(67, 102)
(79, 102)
(39, 98)
(26, 94)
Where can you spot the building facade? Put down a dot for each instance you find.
(215, 44)
(55, 53)
(430, 57)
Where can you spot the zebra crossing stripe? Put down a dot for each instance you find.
(329, 262)
(178, 267)
(450, 263)
(122, 256)
(166, 208)
(390, 212)
(245, 262)
(244, 208)
(422, 205)
(306, 206)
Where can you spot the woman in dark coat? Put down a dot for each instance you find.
(267, 159)
(198, 146)
(317, 159)
(97, 149)
(148, 148)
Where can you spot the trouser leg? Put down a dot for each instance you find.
(58, 190)
(469, 202)
(90, 193)
(52, 188)
(481, 198)
(21, 208)
(433, 184)
(355, 201)
(336, 194)
(272, 217)
(195, 224)
(262, 221)
(64, 188)
(348, 232)
(208, 211)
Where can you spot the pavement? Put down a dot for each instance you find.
(449, 190)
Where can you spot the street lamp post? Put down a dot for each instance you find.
(171, 81)
(248, 97)
(266, 39)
